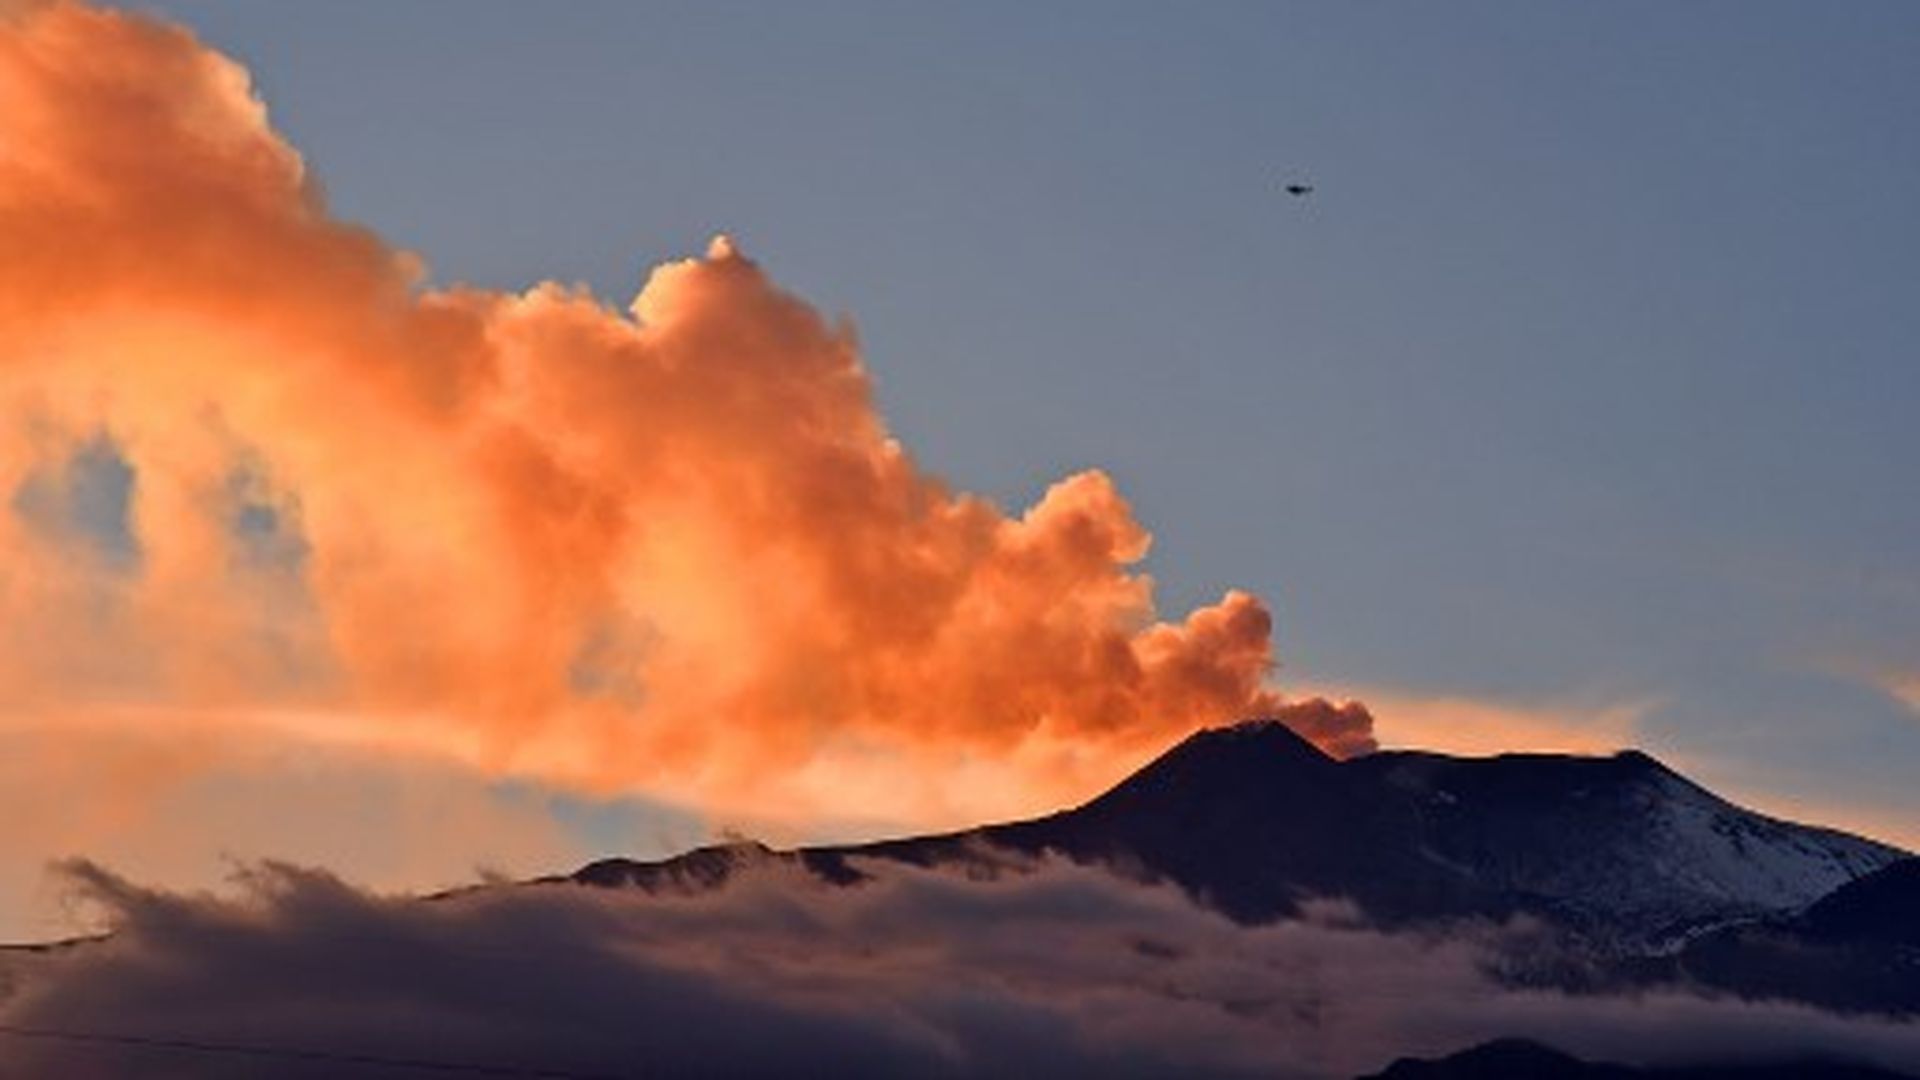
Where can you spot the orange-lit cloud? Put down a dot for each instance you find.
(184, 795)
(1459, 724)
(672, 548)
(1577, 724)
(1903, 687)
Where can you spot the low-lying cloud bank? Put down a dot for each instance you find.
(1063, 971)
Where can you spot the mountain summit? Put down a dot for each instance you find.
(1253, 820)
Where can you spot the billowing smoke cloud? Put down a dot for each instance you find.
(255, 467)
(1064, 971)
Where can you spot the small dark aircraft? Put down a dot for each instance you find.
(1299, 189)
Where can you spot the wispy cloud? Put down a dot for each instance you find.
(1462, 724)
(1903, 687)
(177, 799)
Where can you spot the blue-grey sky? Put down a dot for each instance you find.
(1585, 377)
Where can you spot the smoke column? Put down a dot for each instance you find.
(258, 470)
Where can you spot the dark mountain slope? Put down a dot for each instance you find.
(1618, 840)
(1855, 950)
(1253, 820)
(1514, 1059)
(1882, 908)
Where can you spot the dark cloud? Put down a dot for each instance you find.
(1061, 971)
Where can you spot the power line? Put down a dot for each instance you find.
(287, 1053)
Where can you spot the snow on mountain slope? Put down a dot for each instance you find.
(1253, 820)
(1622, 841)
(1720, 851)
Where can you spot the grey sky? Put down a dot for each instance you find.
(1587, 373)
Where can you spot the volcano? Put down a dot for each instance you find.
(1254, 821)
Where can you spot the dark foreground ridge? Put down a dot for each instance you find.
(1515, 1059)
(1855, 950)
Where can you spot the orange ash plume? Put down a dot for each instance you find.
(674, 549)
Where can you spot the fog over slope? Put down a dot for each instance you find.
(1063, 971)
(1188, 941)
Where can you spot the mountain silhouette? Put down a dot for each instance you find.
(1855, 950)
(1518, 1059)
(1254, 821)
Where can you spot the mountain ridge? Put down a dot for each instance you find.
(1253, 820)
(1521, 1059)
